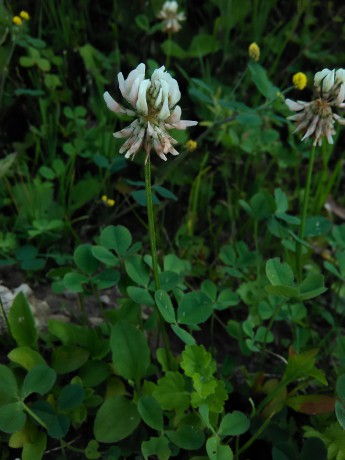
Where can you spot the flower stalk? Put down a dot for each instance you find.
(150, 218)
(304, 213)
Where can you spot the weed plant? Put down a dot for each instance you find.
(226, 261)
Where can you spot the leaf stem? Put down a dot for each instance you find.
(33, 415)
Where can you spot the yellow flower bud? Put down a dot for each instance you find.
(254, 51)
(191, 145)
(300, 80)
(104, 198)
(24, 15)
(110, 202)
(17, 21)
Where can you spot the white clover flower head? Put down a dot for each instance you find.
(316, 119)
(170, 17)
(154, 106)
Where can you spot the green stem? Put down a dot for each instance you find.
(268, 329)
(5, 317)
(151, 222)
(167, 59)
(34, 416)
(237, 445)
(5, 69)
(257, 255)
(256, 435)
(304, 213)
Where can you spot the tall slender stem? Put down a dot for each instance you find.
(255, 435)
(257, 253)
(304, 213)
(151, 222)
(167, 59)
(268, 330)
(6, 70)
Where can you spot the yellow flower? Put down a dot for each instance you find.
(17, 21)
(108, 201)
(254, 51)
(191, 145)
(300, 80)
(24, 15)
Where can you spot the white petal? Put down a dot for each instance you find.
(159, 98)
(339, 119)
(294, 106)
(114, 106)
(128, 131)
(320, 76)
(139, 72)
(340, 76)
(175, 116)
(328, 82)
(164, 112)
(121, 81)
(158, 74)
(173, 151)
(341, 95)
(183, 124)
(296, 117)
(141, 104)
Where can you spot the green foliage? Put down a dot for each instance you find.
(22, 322)
(216, 451)
(234, 424)
(171, 392)
(131, 354)
(281, 278)
(107, 428)
(156, 446)
(211, 353)
(39, 379)
(333, 438)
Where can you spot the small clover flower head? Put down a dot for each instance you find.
(17, 21)
(191, 145)
(300, 80)
(316, 118)
(254, 51)
(170, 17)
(154, 107)
(24, 15)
